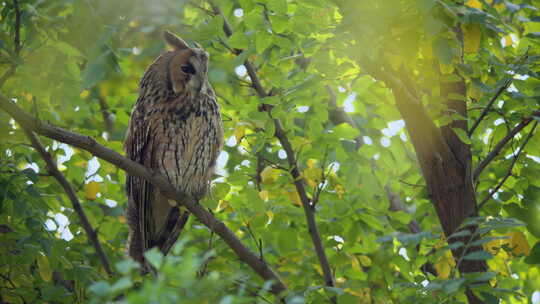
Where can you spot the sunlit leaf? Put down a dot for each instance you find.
(91, 190)
(472, 35)
(45, 270)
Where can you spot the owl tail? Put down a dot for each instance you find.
(176, 220)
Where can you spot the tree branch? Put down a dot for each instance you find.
(53, 170)
(499, 147)
(104, 107)
(158, 180)
(281, 135)
(509, 173)
(16, 42)
(309, 210)
(17, 39)
(505, 86)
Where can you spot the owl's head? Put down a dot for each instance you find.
(187, 66)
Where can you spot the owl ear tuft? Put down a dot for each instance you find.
(174, 41)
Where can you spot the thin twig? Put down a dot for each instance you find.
(509, 173)
(155, 178)
(16, 43)
(306, 203)
(503, 88)
(6, 75)
(107, 118)
(17, 38)
(85, 223)
(499, 147)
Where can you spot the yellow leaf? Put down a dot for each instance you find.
(311, 163)
(472, 35)
(313, 176)
(493, 246)
(28, 96)
(364, 260)
(507, 40)
(222, 204)
(444, 265)
(264, 195)
(84, 94)
(498, 263)
(239, 132)
(91, 190)
(499, 7)
(519, 244)
(292, 194)
(45, 271)
(270, 215)
(269, 175)
(446, 68)
(474, 3)
(340, 190)
(475, 92)
(355, 264)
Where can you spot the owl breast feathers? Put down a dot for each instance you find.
(175, 128)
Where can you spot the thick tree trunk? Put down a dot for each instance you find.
(445, 162)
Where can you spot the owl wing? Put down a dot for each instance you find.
(218, 128)
(138, 148)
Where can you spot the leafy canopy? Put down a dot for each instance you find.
(79, 65)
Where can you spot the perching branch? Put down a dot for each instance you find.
(503, 88)
(299, 182)
(509, 173)
(53, 170)
(499, 147)
(158, 180)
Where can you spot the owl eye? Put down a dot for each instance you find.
(188, 69)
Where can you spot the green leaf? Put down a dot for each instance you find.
(478, 255)
(462, 135)
(345, 131)
(402, 217)
(534, 255)
(278, 6)
(443, 50)
(371, 221)
(239, 40)
(453, 285)
(100, 288)
(280, 23)
(262, 40)
(154, 257)
(126, 266)
(122, 284)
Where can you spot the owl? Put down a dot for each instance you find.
(175, 128)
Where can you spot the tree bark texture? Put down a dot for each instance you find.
(445, 162)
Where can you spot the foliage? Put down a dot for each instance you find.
(79, 66)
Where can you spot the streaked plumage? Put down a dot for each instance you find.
(175, 128)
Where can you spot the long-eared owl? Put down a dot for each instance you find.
(175, 128)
